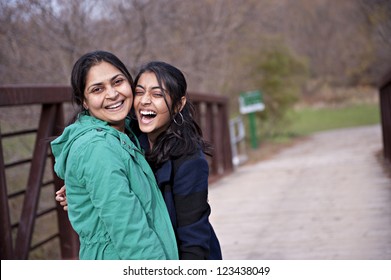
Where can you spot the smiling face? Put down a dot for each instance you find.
(108, 95)
(151, 105)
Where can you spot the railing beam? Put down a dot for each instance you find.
(30, 203)
(6, 248)
(69, 239)
(385, 114)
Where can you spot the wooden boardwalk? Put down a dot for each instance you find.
(327, 198)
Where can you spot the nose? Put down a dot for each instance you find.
(112, 93)
(146, 98)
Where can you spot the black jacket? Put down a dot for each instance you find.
(184, 185)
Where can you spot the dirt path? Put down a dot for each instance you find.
(325, 198)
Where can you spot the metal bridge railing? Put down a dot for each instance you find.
(385, 111)
(30, 220)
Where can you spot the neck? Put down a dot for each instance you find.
(119, 127)
(151, 141)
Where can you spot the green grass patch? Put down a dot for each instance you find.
(305, 121)
(308, 120)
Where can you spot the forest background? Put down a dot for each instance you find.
(295, 52)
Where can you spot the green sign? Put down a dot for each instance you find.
(251, 101)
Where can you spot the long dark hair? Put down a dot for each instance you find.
(183, 135)
(80, 71)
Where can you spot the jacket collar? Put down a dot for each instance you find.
(163, 174)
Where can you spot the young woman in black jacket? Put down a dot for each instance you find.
(176, 150)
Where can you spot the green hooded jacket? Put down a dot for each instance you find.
(114, 203)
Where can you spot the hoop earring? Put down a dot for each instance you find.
(182, 119)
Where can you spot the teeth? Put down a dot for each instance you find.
(114, 105)
(149, 113)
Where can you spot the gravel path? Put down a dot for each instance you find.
(325, 198)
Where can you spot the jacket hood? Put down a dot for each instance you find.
(61, 146)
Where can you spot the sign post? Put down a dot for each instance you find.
(251, 102)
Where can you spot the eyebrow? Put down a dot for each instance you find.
(111, 79)
(155, 87)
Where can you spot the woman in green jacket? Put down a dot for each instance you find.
(114, 203)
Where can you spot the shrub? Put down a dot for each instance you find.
(280, 75)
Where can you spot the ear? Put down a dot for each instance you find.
(183, 103)
(85, 105)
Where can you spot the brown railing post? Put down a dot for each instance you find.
(212, 115)
(30, 203)
(6, 249)
(226, 149)
(218, 139)
(69, 239)
(385, 113)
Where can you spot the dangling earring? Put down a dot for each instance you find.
(182, 119)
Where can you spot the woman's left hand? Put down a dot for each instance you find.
(62, 198)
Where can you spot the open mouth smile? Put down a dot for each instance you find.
(115, 106)
(147, 114)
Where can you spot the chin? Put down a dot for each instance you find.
(145, 129)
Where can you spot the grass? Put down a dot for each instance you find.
(309, 120)
(305, 121)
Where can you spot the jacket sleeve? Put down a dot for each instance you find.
(120, 210)
(190, 191)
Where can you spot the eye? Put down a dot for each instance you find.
(139, 92)
(157, 94)
(96, 90)
(118, 81)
